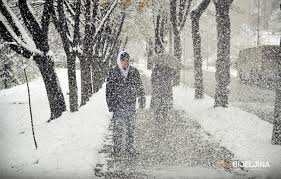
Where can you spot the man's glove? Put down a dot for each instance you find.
(141, 101)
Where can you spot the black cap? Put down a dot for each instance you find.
(124, 55)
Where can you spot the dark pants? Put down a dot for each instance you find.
(123, 120)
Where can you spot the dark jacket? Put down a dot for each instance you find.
(162, 78)
(121, 92)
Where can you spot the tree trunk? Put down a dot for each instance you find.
(178, 54)
(159, 34)
(73, 90)
(85, 61)
(39, 33)
(179, 11)
(72, 82)
(198, 74)
(6, 74)
(44, 63)
(276, 135)
(149, 49)
(54, 93)
(61, 26)
(223, 54)
(86, 86)
(96, 74)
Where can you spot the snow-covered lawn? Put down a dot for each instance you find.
(255, 100)
(67, 147)
(244, 134)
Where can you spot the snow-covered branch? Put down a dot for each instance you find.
(105, 17)
(69, 8)
(185, 14)
(29, 19)
(33, 14)
(17, 39)
(27, 39)
(200, 8)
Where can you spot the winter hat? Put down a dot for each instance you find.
(122, 55)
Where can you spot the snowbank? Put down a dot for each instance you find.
(244, 134)
(67, 147)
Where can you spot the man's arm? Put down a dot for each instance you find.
(110, 92)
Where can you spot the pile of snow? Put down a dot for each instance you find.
(244, 134)
(67, 146)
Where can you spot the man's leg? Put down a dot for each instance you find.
(130, 121)
(117, 133)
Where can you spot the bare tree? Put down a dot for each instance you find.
(107, 45)
(179, 10)
(161, 20)
(81, 45)
(91, 32)
(85, 65)
(223, 52)
(198, 74)
(70, 43)
(14, 33)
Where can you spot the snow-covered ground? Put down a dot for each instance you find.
(243, 133)
(68, 146)
(253, 99)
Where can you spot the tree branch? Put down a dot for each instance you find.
(200, 8)
(46, 17)
(94, 15)
(15, 22)
(31, 23)
(69, 8)
(62, 19)
(112, 7)
(76, 31)
(60, 27)
(9, 18)
(173, 16)
(181, 11)
(186, 14)
(9, 36)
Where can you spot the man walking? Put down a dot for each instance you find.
(123, 87)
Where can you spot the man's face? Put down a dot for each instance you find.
(125, 63)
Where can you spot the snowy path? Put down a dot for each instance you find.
(252, 99)
(172, 149)
(178, 142)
